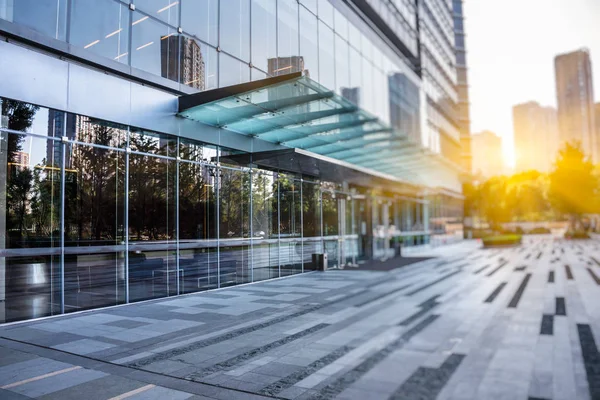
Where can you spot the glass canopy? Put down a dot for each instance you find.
(294, 111)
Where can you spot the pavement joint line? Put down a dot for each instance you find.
(39, 377)
(125, 367)
(133, 392)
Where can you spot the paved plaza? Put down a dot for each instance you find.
(513, 323)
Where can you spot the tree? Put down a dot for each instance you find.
(573, 185)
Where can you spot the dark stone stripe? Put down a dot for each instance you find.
(520, 268)
(591, 359)
(495, 293)
(560, 306)
(481, 269)
(443, 278)
(218, 339)
(527, 256)
(517, 297)
(339, 385)
(274, 388)
(551, 276)
(497, 268)
(380, 296)
(539, 255)
(537, 398)
(594, 276)
(425, 306)
(232, 362)
(547, 327)
(569, 272)
(427, 383)
(596, 261)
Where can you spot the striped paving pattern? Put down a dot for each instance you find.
(511, 323)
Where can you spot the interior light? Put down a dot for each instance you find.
(114, 33)
(166, 36)
(167, 7)
(145, 45)
(91, 44)
(140, 20)
(121, 55)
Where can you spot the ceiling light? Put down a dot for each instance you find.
(114, 33)
(91, 44)
(140, 20)
(145, 45)
(167, 7)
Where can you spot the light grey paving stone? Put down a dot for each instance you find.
(57, 382)
(98, 389)
(29, 369)
(160, 393)
(8, 395)
(84, 346)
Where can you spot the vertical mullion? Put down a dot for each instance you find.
(126, 217)
(177, 213)
(63, 145)
(218, 220)
(251, 231)
(278, 225)
(301, 224)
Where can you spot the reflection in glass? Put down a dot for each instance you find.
(232, 71)
(287, 38)
(234, 227)
(165, 10)
(47, 17)
(326, 59)
(342, 77)
(311, 222)
(290, 225)
(309, 49)
(94, 225)
(326, 12)
(101, 27)
(152, 257)
(235, 28)
(200, 18)
(265, 257)
(197, 64)
(264, 32)
(154, 47)
(198, 255)
(30, 219)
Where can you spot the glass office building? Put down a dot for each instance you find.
(153, 148)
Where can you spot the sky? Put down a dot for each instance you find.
(511, 46)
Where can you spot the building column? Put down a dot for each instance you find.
(3, 182)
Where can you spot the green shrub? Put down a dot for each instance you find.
(577, 235)
(501, 240)
(540, 230)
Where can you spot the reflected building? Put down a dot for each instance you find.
(535, 131)
(352, 94)
(285, 65)
(59, 125)
(21, 160)
(182, 60)
(404, 106)
(464, 119)
(487, 154)
(575, 99)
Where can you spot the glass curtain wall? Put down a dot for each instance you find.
(98, 214)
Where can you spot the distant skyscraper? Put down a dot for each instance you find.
(57, 127)
(536, 136)
(22, 160)
(464, 121)
(575, 98)
(486, 148)
(186, 66)
(352, 94)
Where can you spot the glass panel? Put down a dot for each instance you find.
(290, 225)
(234, 227)
(235, 28)
(232, 71)
(342, 77)
(94, 230)
(152, 256)
(165, 10)
(45, 16)
(310, 4)
(265, 248)
(101, 27)
(311, 223)
(264, 33)
(354, 91)
(89, 130)
(309, 49)
(154, 47)
(200, 18)
(341, 24)
(326, 60)
(30, 219)
(326, 12)
(287, 48)
(198, 64)
(196, 151)
(153, 143)
(198, 254)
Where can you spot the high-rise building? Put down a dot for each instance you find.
(193, 149)
(185, 64)
(575, 99)
(487, 154)
(536, 140)
(464, 119)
